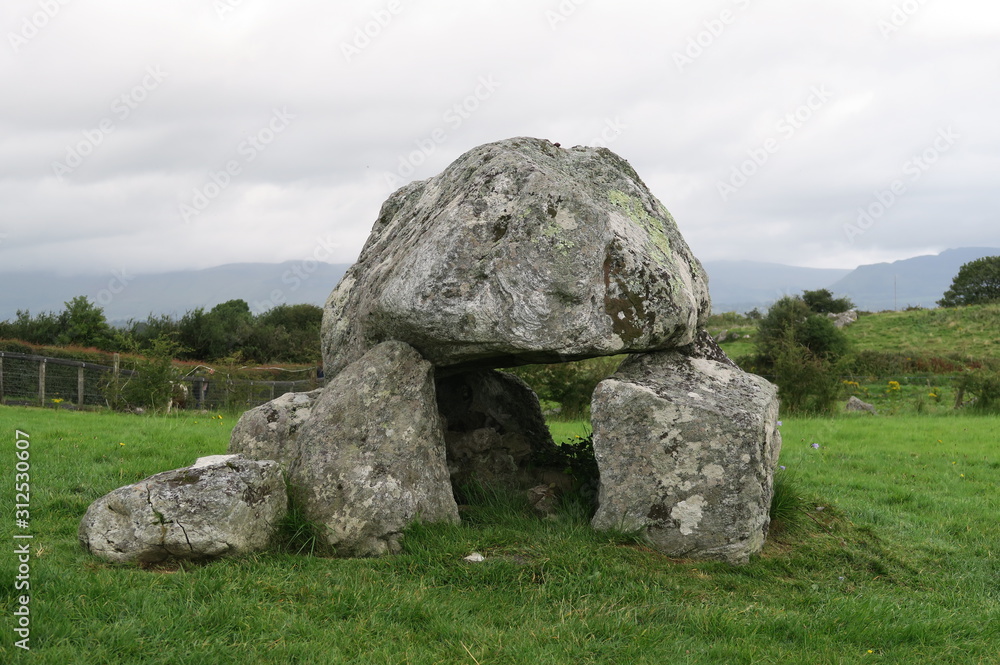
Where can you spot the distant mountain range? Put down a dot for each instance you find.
(739, 286)
(126, 296)
(736, 286)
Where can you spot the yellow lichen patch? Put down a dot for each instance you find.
(635, 210)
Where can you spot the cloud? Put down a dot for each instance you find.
(165, 98)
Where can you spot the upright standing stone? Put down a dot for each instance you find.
(686, 447)
(371, 457)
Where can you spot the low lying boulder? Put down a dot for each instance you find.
(855, 404)
(222, 505)
(843, 318)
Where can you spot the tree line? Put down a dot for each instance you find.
(286, 333)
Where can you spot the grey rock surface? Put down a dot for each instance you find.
(844, 318)
(371, 457)
(223, 505)
(687, 447)
(856, 404)
(270, 430)
(519, 252)
(493, 428)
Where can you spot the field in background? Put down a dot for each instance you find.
(961, 332)
(895, 561)
(968, 332)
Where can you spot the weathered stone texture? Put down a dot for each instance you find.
(223, 505)
(371, 457)
(686, 448)
(270, 430)
(519, 252)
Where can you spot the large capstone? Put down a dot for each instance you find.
(222, 505)
(519, 252)
(686, 447)
(371, 458)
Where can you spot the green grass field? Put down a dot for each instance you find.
(966, 332)
(960, 332)
(900, 566)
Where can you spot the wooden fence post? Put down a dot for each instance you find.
(79, 386)
(41, 382)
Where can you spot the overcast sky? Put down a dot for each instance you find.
(152, 136)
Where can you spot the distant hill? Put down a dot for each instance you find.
(920, 281)
(261, 285)
(739, 286)
(736, 286)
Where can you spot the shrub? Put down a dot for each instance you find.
(984, 386)
(807, 383)
(823, 302)
(152, 384)
(571, 385)
(815, 332)
(799, 350)
(977, 282)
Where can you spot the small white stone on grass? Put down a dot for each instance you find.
(475, 557)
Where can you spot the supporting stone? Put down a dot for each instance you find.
(270, 430)
(687, 447)
(371, 457)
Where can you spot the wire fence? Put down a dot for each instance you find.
(32, 380)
